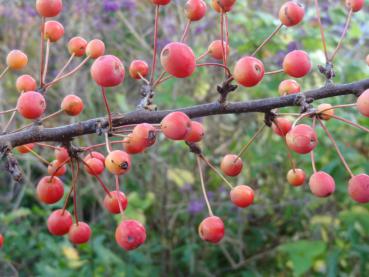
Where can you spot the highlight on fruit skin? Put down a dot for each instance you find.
(322, 184)
(211, 229)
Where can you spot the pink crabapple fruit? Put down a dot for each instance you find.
(49, 8)
(59, 222)
(31, 104)
(362, 103)
(137, 68)
(297, 64)
(322, 184)
(61, 154)
(195, 10)
(288, 87)
(196, 133)
(281, 126)
(222, 6)
(72, 105)
(111, 203)
(54, 31)
(231, 165)
(145, 132)
(296, 177)
(95, 154)
(95, 166)
(211, 229)
(248, 71)
(302, 139)
(95, 48)
(215, 49)
(359, 188)
(242, 196)
(355, 5)
(130, 234)
(16, 60)
(56, 168)
(79, 233)
(50, 190)
(325, 111)
(25, 83)
(77, 46)
(108, 71)
(26, 148)
(178, 59)
(176, 125)
(118, 162)
(291, 13)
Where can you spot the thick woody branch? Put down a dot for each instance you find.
(68, 132)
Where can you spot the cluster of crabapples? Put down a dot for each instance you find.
(178, 60)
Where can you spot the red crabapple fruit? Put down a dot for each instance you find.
(95, 154)
(130, 234)
(178, 59)
(134, 145)
(196, 133)
(288, 87)
(211, 229)
(145, 132)
(242, 196)
(222, 6)
(1, 240)
(322, 184)
(118, 162)
(231, 165)
(79, 233)
(249, 71)
(16, 60)
(95, 48)
(49, 8)
(77, 46)
(94, 166)
(25, 83)
(362, 103)
(61, 154)
(54, 31)
(31, 104)
(56, 168)
(176, 125)
(72, 105)
(297, 64)
(161, 2)
(325, 111)
(138, 68)
(302, 139)
(281, 126)
(195, 9)
(26, 148)
(108, 71)
(50, 189)
(296, 177)
(59, 222)
(291, 13)
(111, 203)
(359, 188)
(355, 5)
(215, 49)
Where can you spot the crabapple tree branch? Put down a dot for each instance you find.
(97, 125)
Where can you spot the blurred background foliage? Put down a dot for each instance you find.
(288, 232)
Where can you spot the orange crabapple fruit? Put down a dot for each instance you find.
(138, 69)
(61, 154)
(215, 49)
(325, 111)
(50, 190)
(296, 177)
(95, 48)
(54, 31)
(222, 6)
(25, 83)
(362, 103)
(77, 46)
(288, 87)
(26, 148)
(231, 165)
(242, 196)
(196, 133)
(16, 60)
(49, 8)
(118, 162)
(72, 105)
